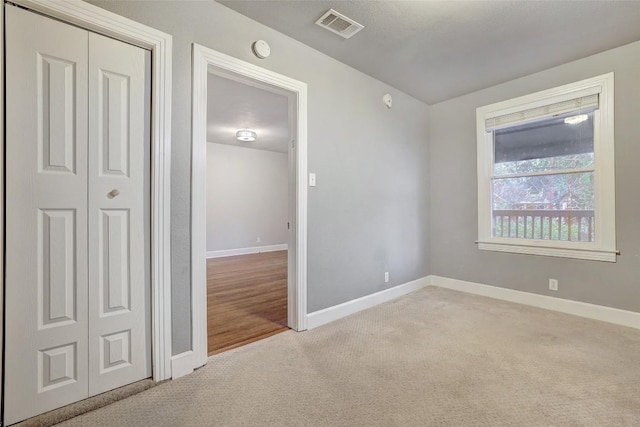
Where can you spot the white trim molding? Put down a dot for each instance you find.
(246, 251)
(592, 255)
(577, 308)
(327, 315)
(2, 208)
(181, 364)
(207, 61)
(101, 21)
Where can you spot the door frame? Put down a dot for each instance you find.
(101, 21)
(207, 60)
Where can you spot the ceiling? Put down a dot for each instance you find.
(232, 106)
(437, 50)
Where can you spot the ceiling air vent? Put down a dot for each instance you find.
(339, 24)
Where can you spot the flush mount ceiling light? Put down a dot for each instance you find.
(574, 120)
(246, 135)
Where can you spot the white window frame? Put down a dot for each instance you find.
(604, 246)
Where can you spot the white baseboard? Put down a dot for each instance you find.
(577, 308)
(245, 251)
(324, 316)
(181, 364)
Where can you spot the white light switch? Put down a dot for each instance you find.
(312, 180)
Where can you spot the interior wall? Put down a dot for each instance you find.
(369, 212)
(453, 192)
(247, 197)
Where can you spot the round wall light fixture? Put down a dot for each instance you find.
(246, 135)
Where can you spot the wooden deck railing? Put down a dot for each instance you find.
(567, 225)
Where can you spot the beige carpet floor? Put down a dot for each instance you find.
(432, 358)
(67, 412)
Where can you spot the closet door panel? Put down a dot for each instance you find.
(119, 225)
(46, 212)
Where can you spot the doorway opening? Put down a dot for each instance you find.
(208, 64)
(250, 131)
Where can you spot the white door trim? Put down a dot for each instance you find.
(98, 20)
(204, 60)
(2, 201)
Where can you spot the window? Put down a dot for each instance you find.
(546, 179)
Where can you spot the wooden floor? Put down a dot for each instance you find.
(246, 299)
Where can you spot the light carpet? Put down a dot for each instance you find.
(87, 405)
(435, 357)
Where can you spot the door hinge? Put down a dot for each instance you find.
(288, 228)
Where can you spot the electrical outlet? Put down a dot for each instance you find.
(553, 284)
(386, 277)
(258, 240)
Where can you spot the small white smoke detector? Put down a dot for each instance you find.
(387, 100)
(261, 49)
(339, 24)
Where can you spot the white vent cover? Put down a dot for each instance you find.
(339, 24)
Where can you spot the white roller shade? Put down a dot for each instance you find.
(585, 102)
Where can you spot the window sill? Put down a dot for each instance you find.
(592, 255)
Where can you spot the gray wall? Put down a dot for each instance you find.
(247, 197)
(453, 192)
(369, 212)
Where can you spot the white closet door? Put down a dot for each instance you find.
(46, 214)
(119, 229)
